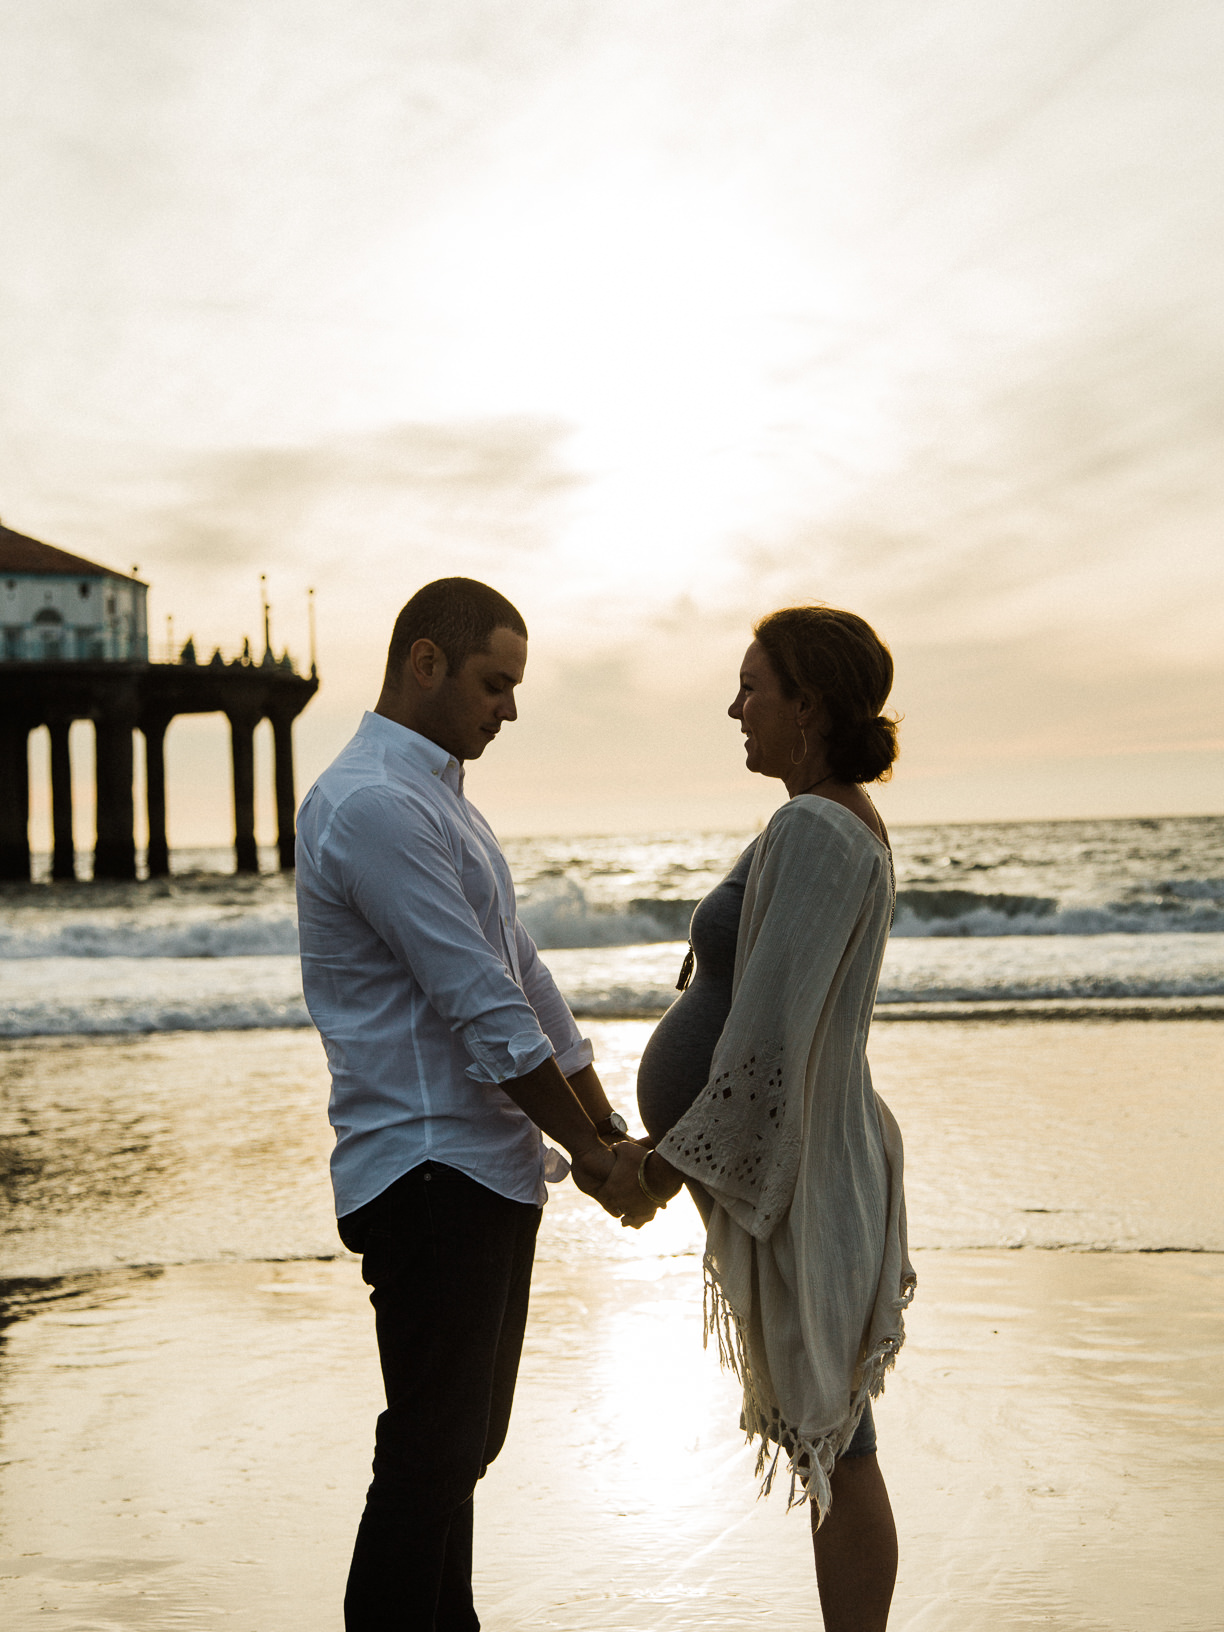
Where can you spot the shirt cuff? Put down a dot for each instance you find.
(577, 1055)
(514, 1058)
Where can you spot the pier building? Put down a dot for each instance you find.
(74, 646)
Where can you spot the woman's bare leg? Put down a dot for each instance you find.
(856, 1549)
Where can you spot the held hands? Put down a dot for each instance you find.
(611, 1177)
(622, 1195)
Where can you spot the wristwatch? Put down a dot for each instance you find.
(612, 1126)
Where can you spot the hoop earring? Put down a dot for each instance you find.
(804, 754)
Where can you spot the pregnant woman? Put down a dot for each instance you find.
(756, 1089)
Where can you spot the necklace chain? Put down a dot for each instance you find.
(819, 784)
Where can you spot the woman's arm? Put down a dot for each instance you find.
(659, 1179)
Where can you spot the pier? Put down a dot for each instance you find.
(54, 671)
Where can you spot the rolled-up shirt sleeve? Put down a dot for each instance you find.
(400, 874)
(573, 1050)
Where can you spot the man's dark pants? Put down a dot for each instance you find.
(449, 1266)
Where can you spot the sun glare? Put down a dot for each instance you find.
(649, 312)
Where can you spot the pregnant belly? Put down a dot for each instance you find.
(676, 1061)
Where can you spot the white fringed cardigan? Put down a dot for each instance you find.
(806, 1264)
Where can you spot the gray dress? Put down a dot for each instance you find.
(676, 1063)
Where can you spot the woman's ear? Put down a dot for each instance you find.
(811, 712)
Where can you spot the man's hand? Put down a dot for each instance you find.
(592, 1169)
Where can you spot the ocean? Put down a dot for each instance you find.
(1056, 917)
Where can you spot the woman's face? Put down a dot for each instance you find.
(768, 718)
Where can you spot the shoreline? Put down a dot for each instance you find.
(1056, 1008)
(1094, 1009)
(21, 1295)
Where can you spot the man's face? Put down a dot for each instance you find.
(473, 704)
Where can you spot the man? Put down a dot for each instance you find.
(450, 1048)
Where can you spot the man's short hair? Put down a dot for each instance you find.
(459, 615)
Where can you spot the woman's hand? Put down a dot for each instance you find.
(623, 1195)
(610, 1177)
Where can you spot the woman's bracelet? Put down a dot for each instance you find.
(658, 1201)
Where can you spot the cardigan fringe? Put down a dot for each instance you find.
(804, 1454)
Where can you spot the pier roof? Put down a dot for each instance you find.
(20, 553)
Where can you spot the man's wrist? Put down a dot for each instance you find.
(591, 1166)
(612, 1127)
(587, 1147)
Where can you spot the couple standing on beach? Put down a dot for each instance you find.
(451, 1052)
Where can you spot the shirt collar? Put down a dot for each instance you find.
(412, 751)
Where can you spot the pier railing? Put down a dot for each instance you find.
(230, 657)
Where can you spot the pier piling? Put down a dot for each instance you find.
(14, 795)
(115, 848)
(158, 853)
(242, 742)
(286, 805)
(63, 852)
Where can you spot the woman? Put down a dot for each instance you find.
(755, 1088)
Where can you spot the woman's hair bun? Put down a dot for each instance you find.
(838, 659)
(862, 750)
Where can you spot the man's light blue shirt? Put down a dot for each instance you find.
(426, 989)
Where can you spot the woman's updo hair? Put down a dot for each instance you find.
(837, 659)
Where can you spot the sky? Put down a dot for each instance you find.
(657, 316)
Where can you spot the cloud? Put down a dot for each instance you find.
(489, 484)
(1078, 492)
(362, 517)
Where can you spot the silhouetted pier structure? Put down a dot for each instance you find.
(56, 668)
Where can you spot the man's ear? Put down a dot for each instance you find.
(427, 663)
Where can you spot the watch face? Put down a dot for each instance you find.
(618, 1123)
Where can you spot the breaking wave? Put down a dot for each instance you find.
(1187, 907)
(563, 917)
(93, 996)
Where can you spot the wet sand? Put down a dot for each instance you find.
(188, 1445)
(189, 1448)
